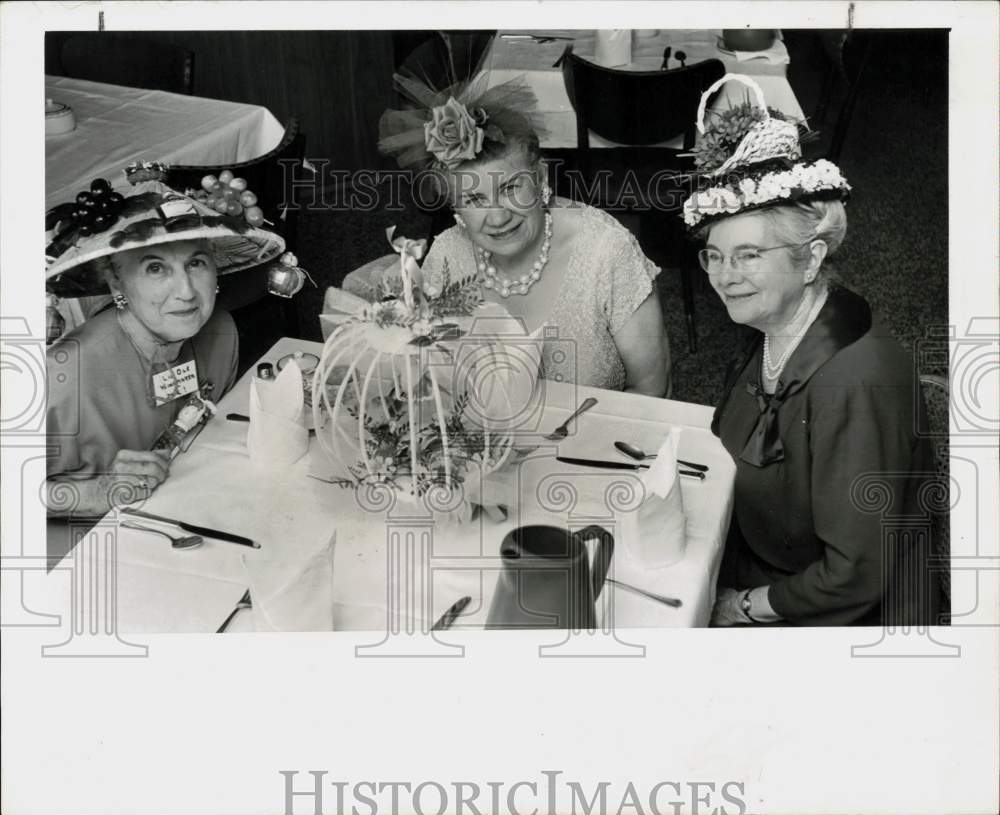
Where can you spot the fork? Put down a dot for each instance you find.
(562, 431)
(242, 603)
(176, 541)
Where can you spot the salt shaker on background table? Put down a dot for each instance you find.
(59, 118)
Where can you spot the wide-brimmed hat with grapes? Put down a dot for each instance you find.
(750, 157)
(102, 222)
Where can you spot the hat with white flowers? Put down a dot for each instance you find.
(750, 158)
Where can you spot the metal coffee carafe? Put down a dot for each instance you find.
(547, 580)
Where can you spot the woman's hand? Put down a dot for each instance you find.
(727, 609)
(150, 467)
(132, 475)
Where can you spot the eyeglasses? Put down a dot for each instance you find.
(746, 260)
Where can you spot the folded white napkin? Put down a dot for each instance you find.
(277, 436)
(292, 594)
(654, 536)
(613, 47)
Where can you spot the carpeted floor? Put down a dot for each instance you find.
(896, 249)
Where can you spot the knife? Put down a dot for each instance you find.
(451, 614)
(204, 531)
(621, 465)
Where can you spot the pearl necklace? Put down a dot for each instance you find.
(772, 370)
(506, 287)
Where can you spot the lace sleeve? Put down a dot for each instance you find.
(630, 279)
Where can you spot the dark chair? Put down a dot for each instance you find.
(272, 178)
(847, 54)
(935, 392)
(124, 58)
(638, 109)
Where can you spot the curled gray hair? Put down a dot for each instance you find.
(105, 269)
(797, 223)
(800, 222)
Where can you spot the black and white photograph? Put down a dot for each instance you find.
(547, 417)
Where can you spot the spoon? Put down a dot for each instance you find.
(670, 601)
(562, 431)
(641, 455)
(176, 541)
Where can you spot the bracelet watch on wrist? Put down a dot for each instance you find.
(745, 606)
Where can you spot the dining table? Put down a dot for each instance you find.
(394, 566)
(117, 125)
(533, 56)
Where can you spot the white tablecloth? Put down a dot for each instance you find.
(535, 62)
(116, 126)
(293, 515)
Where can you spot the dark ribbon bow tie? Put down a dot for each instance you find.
(764, 445)
(844, 318)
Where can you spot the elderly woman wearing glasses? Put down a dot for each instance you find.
(569, 272)
(819, 407)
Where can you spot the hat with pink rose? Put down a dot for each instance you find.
(451, 126)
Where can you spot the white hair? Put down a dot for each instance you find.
(800, 222)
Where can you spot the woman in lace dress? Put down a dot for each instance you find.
(572, 274)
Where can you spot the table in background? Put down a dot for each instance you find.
(116, 125)
(535, 62)
(293, 515)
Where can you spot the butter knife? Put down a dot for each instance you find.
(620, 465)
(204, 531)
(451, 614)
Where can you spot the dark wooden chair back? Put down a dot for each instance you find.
(636, 107)
(127, 58)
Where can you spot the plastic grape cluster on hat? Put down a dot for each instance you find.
(97, 209)
(228, 194)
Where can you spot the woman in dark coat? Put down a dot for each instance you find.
(819, 409)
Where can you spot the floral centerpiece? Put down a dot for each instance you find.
(405, 393)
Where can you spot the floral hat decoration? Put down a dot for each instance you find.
(102, 221)
(451, 126)
(750, 158)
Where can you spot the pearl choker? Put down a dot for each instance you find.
(506, 287)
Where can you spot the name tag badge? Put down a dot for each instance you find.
(174, 383)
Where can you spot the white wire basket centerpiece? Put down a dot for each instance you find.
(420, 390)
